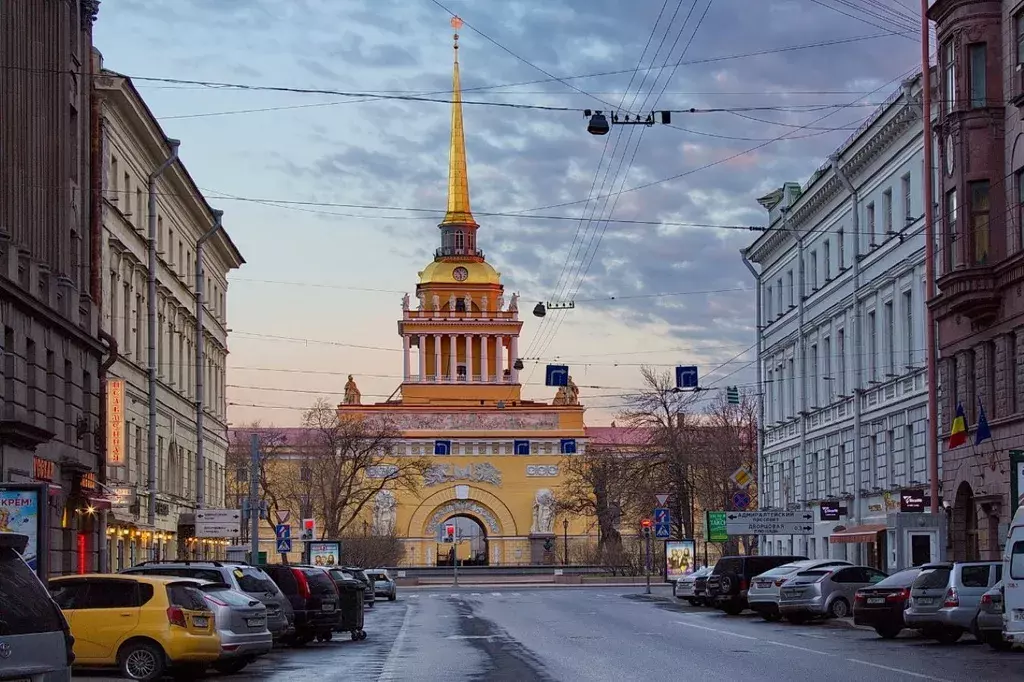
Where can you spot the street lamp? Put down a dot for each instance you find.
(565, 535)
(598, 124)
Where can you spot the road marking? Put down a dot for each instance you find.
(495, 594)
(722, 632)
(897, 670)
(390, 671)
(798, 648)
(475, 594)
(454, 595)
(516, 594)
(470, 636)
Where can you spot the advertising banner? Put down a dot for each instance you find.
(325, 553)
(115, 422)
(20, 513)
(680, 556)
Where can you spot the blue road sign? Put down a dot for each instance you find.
(662, 531)
(442, 447)
(740, 500)
(520, 447)
(686, 376)
(557, 375)
(284, 544)
(661, 515)
(568, 446)
(283, 531)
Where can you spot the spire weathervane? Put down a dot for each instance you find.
(458, 212)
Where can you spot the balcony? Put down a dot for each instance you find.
(446, 378)
(457, 252)
(969, 291)
(482, 315)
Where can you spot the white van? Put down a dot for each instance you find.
(1013, 581)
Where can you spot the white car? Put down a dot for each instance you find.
(683, 587)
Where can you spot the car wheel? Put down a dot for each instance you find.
(888, 631)
(733, 609)
(142, 661)
(392, 597)
(798, 618)
(947, 636)
(839, 608)
(771, 617)
(230, 667)
(693, 602)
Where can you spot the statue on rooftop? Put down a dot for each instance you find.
(352, 394)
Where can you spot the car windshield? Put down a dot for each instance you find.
(932, 578)
(815, 573)
(383, 577)
(784, 569)
(229, 596)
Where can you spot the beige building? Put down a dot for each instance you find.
(133, 148)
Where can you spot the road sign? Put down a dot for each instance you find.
(742, 477)
(283, 515)
(662, 531)
(567, 446)
(661, 515)
(715, 526)
(556, 375)
(219, 516)
(686, 376)
(769, 523)
(218, 523)
(732, 395)
(283, 531)
(662, 498)
(442, 447)
(520, 447)
(284, 545)
(740, 500)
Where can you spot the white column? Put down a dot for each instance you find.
(513, 356)
(499, 356)
(423, 358)
(437, 357)
(483, 359)
(405, 357)
(453, 360)
(469, 357)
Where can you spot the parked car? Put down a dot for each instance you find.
(142, 624)
(882, 605)
(35, 633)
(827, 592)
(945, 597)
(763, 593)
(700, 588)
(251, 580)
(1013, 589)
(728, 583)
(369, 596)
(241, 623)
(313, 598)
(383, 585)
(685, 587)
(988, 623)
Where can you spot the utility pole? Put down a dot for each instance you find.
(201, 360)
(647, 563)
(455, 555)
(254, 503)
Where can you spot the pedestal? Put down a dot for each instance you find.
(542, 549)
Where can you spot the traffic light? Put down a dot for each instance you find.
(646, 523)
(308, 529)
(449, 532)
(732, 395)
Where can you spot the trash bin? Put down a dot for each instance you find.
(350, 598)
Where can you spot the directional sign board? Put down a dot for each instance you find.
(283, 531)
(218, 523)
(769, 523)
(661, 515)
(556, 375)
(686, 377)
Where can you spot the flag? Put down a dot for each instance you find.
(958, 434)
(984, 432)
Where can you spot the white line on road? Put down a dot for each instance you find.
(390, 671)
(495, 594)
(470, 637)
(798, 648)
(475, 594)
(898, 670)
(723, 632)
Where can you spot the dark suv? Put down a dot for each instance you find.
(728, 583)
(313, 597)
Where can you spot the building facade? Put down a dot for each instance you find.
(49, 294)
(133, 147)
(980, 260)
(842, 348)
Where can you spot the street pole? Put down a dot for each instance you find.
(201, 360)
(455, 555)
(254, 502)
(565, 535)
(647, 564)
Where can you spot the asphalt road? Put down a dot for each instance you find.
(598, 634)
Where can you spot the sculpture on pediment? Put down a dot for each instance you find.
(468, 300)
(483, 303)
(501, 302)
(568, 394)
(384, 513)
(436, 301)
(543, 511)
(352, 394)
(451, 303)
(405, 302)
(422, 298)
(514, 305)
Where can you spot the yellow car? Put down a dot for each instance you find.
(144, 625)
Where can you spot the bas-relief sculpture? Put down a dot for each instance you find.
(472, 421)
(543, 512)
(483, 472)
(384, 515)
(456, 507)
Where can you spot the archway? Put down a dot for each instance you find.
(964, 526)
(472, 548)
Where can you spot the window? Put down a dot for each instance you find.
(26, 607)
(1018, 22)
(826, 366)
(1011, 372)
(160, 233)
(770, 404)
(979, 193)
(974, 576)
(841, 243)
(949, 76)
(907, 200)
(887, 210)
(1020, 208)
(460, 239)
(978, 64)
(826, 257)
(139, 215)
(114, 178)
(792, 289)
(950, 246)
(812, 262)
(305, 473)
(109, 594)
(871, 225)
(778, 284)
(790, 366)
(872, 346)
(813, 378)
(140, 311)
(127, 320)
(908, 329)
(841, 361)
(889, 319)
(768, 303)
(31, 371)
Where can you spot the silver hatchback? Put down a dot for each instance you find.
(945, 597)
(825, 592)
(763, 594)
(241, 623)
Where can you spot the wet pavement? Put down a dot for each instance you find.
(610, 634)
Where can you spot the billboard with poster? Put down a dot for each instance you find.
(20, 512)
(325, 553)
(680, 557)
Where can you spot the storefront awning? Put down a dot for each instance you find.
(867, 533)
(99, 503)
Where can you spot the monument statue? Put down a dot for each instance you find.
(501, 302)
(451, 303)
(352, 394)
(468, 300)
(436, 300)
(405, 301)
(422, 298)
(483, 303)
(514, 305)
(543, 512)
(568, 394)
(384, 513)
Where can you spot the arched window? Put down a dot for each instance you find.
(460, 240)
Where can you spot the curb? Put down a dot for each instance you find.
(512, 586)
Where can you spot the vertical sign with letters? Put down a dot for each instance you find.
(115, 422)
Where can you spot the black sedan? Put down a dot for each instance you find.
(881, 606)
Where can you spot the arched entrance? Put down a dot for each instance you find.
(964, 526)
(472, 548)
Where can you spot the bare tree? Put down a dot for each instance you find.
(273, 445)
(350, 459)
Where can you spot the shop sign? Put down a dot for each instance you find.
(42, 469)
(88, 481)
(115, 422)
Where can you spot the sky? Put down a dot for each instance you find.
(334, 197)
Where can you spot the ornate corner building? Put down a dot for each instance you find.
(979, 307)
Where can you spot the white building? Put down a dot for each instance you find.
(135, 147)
(842, 347)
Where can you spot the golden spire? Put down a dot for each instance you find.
(458, 212)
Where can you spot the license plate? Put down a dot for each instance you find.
(876, 600)
(329, 606)
(764, 583)
(924, 601)
(200, 621)
(1018, 615)
(255, 622)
